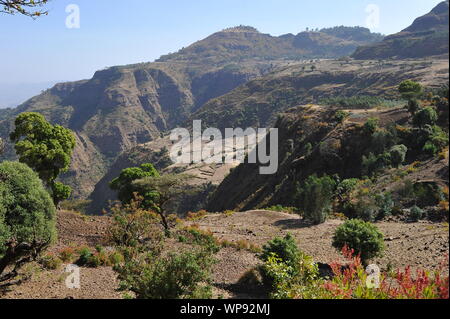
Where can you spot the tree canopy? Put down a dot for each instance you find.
(27, 218)
(30, 8)
(44, 147)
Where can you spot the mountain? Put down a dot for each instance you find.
(259, 102)
(313, 141)
(124, 106)
(240, 43)
(427, 36)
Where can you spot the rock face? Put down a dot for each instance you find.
(258, 102)
(427, 36)
(125, 106)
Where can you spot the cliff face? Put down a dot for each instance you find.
(125, 106)
(258, 102)
(122, 107)
(427, 36)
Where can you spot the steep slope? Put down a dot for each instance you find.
(125, 106)
(257, 103)
(313, 141)
(427, 36)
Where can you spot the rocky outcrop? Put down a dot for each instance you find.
(427, 36)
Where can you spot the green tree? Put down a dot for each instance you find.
(46, 148)
(123, 183)
(413, 106)
(410, 89)
(363, 237)
(316, 197)
(27, 218)
(371, 126)
(2, 146)
(398, 154)
(158, 192)
(30, 8)
(426, 116)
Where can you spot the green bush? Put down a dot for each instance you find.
(27, 216)
(284, 248)
(316, 197)
(184, 275)
(363, 237)
(371, 126)
(416, 213)
(426, 116)
(398, 154)
(410, 89)
(285, 267)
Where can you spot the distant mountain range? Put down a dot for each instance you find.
(427, 36)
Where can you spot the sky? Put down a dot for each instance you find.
(113, 32)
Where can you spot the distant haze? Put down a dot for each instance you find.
(12, 95)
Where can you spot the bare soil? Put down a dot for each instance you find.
(420, 245)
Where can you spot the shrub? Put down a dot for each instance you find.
(285, 265)
(410, 89)
(370, 126)
(67, 254)
(413, 106)
(398, 154)
(363, 237)
(133, 226)
(50, 262)
(316, 197)
(284, 248)
(181, 275)
(416, 213)
(426, 116)
(340, 116)
(27, 218)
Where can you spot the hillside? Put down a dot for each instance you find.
(258, 102)
(316, 143)
(419, 245)
(427, 36)
(243, 43)
(124, 106)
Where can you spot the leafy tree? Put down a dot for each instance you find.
(398, 154)
(27, 218)
(416, 213)
(363, 237)
(123, 183)
(413, 106)
(30, 8)
(158, 191)
(316, 197)
(46, 148)
(426, 116)
(2, 146)
(410, 89)
(371, 126)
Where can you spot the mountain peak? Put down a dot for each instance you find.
(241, 28)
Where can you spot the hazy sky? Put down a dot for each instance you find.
(116, 32)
